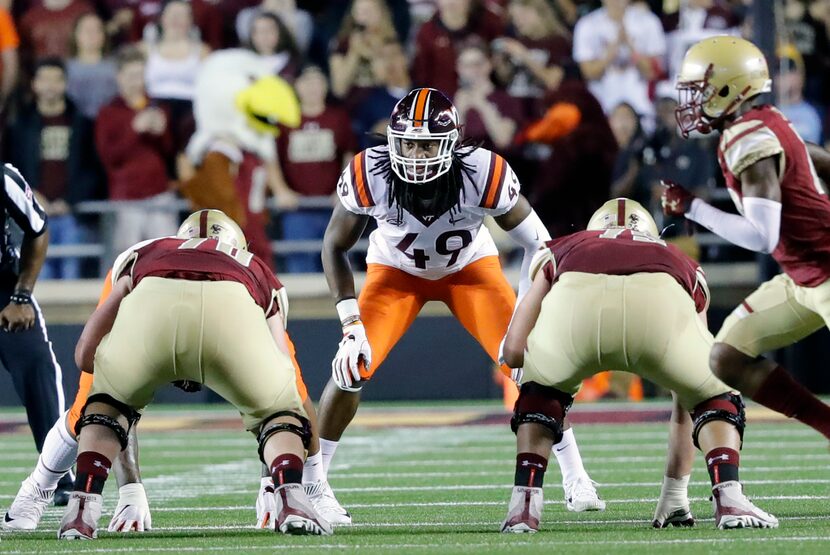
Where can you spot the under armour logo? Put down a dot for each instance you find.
(723, 457)
(101, 465)
(528, 463)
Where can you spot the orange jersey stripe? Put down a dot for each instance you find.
(420, 107)
(493, 190)
(364, 197)
(106, 290)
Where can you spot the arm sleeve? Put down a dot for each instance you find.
(530, 234)
(758, 230)
(21, 204)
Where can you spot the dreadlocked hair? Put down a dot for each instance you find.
(433, 198)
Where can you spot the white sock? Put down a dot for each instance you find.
(58, 455)
(313, 469)
(327, 449)
(568, 457)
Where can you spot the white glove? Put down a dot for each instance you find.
(266, 504)
(673, 504)
(132, 514)
(345, 369)
(516, 374)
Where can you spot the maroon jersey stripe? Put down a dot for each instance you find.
(203, 217)
(621, 212)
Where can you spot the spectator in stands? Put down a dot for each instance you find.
(46, 27)
(439, 39)
(631, 140)
(9, 60)
(619, 48)
(809, 36)
(574, 178)
(141, 20)
(90, 73)
(299, 22)
(51, 143)
(489, 115)
(311, 158)
(668, 156)
(529, 61)
(133, 138)
(371, 116)
(172, 64)
(272, 40)
(790, 87)
(365, 29)
(692, 21)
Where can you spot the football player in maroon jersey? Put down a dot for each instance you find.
(772, 177)
(196, 307)
(617, 296)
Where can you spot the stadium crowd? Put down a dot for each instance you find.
(97, 97)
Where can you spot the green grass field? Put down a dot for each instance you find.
(444, 490)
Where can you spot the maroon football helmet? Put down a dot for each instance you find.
(422, 115)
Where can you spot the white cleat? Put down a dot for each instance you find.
(581, 495)
(80, 521)
(326, 504)
(27, 507)
(295, 514)
(524, 512)
(734, 510)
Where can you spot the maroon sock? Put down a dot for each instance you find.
(92, 471)
(530, 470)
(722, 463)
(287, 469)
(781, 393)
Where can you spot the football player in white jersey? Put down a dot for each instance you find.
(429, 196)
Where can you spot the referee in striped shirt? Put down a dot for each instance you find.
(25, 349)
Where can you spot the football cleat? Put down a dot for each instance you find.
(80, 521)
(734, 510)
(27, 507)
(581, 495)
(295, 514)
(524, 512)
(326, 504)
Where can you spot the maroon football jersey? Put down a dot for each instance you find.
(803, 250)
(203, 260)
(621, 252)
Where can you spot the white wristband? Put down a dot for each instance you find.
(348, 311)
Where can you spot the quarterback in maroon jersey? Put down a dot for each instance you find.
(617, 296)
(784, 211)
(200, 308)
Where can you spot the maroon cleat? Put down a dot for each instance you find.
(295, 515)
(524, 511)
(80, 521)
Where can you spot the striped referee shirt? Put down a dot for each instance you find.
(20, 205)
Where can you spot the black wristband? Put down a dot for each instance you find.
(21, 297)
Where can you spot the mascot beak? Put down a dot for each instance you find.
(267, 103)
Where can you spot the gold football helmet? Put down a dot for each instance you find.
(212, 224)
(623, 212)
(718, 74)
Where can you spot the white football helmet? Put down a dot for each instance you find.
(623, 212)
(213, 224)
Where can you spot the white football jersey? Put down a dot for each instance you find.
(430, 248)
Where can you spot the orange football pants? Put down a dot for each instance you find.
(478, 296)
(85, 383)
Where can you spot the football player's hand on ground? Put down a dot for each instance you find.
(675, 199)
(354, 348)
(133, 512)
(266, 505)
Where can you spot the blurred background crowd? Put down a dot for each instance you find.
(96, 99)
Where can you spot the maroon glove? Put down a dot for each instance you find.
(675, 199)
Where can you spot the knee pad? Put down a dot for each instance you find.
(267, 430)
(121, 433)
(728, 407)
(539, 404)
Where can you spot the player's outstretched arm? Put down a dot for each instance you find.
(524, 318)
(99, 325)
(343, 231)
(526, 229)
(758, 229)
